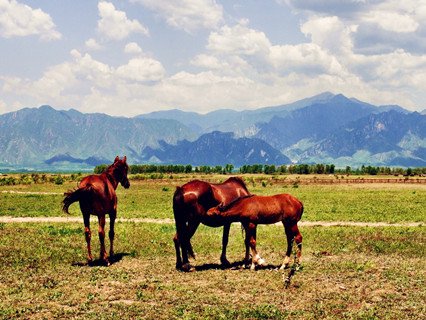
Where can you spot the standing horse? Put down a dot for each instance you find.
(190, 204)
(96, 194)
(253, 210)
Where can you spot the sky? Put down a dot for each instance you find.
(129, 57)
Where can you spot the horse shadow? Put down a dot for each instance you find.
(237, 265)
(100, 263)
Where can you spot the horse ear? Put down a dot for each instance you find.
(116, 159)
(124, 158)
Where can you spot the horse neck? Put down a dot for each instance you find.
(232, 212)
(109, 173)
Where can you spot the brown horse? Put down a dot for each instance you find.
(190, 204)
(96, 194)
(253, 210)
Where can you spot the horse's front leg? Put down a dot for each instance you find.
(112, 217)
(88, 236)
(223, 260)
(103, 256)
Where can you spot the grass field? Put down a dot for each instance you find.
(348, 272)
(152, 198)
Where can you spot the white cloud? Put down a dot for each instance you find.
(392, 21)
(115, 25)
(93, 45)
(20, 20)
(132, 48)
(330, 33)
(207, 61)
(141, 69)
(188, 15)
(305, 58)
(239, 39)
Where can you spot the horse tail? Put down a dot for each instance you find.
(178, 200)
(301, 210)
(72, 196)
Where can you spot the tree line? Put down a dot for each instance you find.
(270, 169)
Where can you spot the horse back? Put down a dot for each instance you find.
(103, 191)
(226, 192)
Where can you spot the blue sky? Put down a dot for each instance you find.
(130, 57)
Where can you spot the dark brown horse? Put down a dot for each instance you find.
(96, 194)
(190, 204)
(254, 210)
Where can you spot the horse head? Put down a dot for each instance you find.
(120, 169)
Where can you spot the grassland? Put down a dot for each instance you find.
(152, 198)
(348, 272)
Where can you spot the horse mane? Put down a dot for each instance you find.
(238, 180)
(233, 202)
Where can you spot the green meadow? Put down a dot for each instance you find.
(347, 272)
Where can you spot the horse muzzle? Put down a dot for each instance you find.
(126, 184)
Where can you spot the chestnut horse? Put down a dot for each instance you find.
(96, 194)
(190, 204)
(253, 210)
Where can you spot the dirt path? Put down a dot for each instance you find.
(8, 219)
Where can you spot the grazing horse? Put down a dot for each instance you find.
(96, 194)
(190, 204)
(253, 210)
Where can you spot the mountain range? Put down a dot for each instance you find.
(325, 128)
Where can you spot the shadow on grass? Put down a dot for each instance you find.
(100, 263)
(237, 265)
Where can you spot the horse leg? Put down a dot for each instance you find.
(290, 238)
(177, 249)
(181, 244)
(103, 256)
(111, 233)
(88, 236)
(225, 239)
(256, 259)
(247, 245)
(298, 239)
(192, 227)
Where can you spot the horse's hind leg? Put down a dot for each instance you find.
(298, 239)
(88, 236)
(290, 239)
(192, 227)
(251, 241)
(111, 233)
(293, 234)
(225, 239)
(177, 248)
(103, 255)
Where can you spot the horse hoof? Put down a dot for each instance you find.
(261, 262)
(225, 263)
(187, 268)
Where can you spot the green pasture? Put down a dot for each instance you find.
(348, 273)
(152, 198)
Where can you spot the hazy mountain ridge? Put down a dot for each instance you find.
(324, 128)
(217, 148)
(33, 135)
